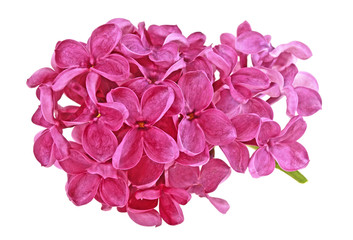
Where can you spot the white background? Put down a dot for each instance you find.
(33, 202)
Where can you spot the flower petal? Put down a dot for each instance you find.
(305, 79)
(146, 218)
(103, 40)
(214, 173)
(243, 27)
(309, 101)
(42, 75)
(261, 163)
(131, 46)
(294, 129)
(61, 143)
(237, 155)
(197, 160)
(99, 142)
(65, 77)
(178, 103)
(258, 106)
(92, 84)
(290, 156)
(155, 103)
(82, 188)
(252, 78)
(129, 99)
(125, 25)
(159, 33)
(250, 42)
(181, 196)
(42, 149)
(220, 204)
(114, 192)
(159, 146)
(113, 114)
(217, 127)
(114, 67)
(129, 151)
(47, 103)
(247, 126)
(197, 90)
(145, 172)
(268, 129)
(179, 176)
(70, 53)
(292, 100)
(298, 49)
(77, 162)
(170, 210)
(191, 138)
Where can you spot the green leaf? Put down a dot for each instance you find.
(296, 175)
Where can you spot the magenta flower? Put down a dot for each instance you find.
(200, 124)
(279, 146)
(143, 135)
(151, 106)
(77, 58)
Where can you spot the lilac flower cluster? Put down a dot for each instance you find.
(150, 110)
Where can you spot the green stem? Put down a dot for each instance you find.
(296, 175)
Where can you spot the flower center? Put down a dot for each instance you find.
(141, 124)
(190, 116)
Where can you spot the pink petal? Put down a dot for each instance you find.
(38, 118)
(77, 132)
(77, 162)
(181, 196)
(138, 85)
(106, 170)
(197, 90)
(65, 77)
(132, 46)
(219, 62)
(269, 129)
(70, 53)
(113, 115)
(170, 210)
(228, 39)
(145, 172)
(261, 163)
(167, 124)
(178, 39)
(159, 33)
(155, 103)
(220, 204)
(240, 93)
(309, 101)
(114, 67)
(47, 103)
(289, 74)
(196, 39)
(225, 102)
(149, 194)
(290, 156)
(247, 126)
(129, 99)
(292, 100)
(259, 107)
(159, 146)
(165, 56)
(42, 75)
(92, 84)
(217, 127)
(305, 79)
(129, 151)
(179, 176)
(298, 49)
(99, 142)
(42, 149)
(243, 27)
(294, 129)
(237, 155)
(250, 42)
(124, 24)
(178, 103)
(214, 173)
(180, 64)
(191, 138)
(114, 192)
(202, 64)
(228, 54)
(146, 218)
(197, 160)
(103, 40)
(60, 142)
(82, 188)
(251, 78)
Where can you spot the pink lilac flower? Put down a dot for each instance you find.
(150, 106)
